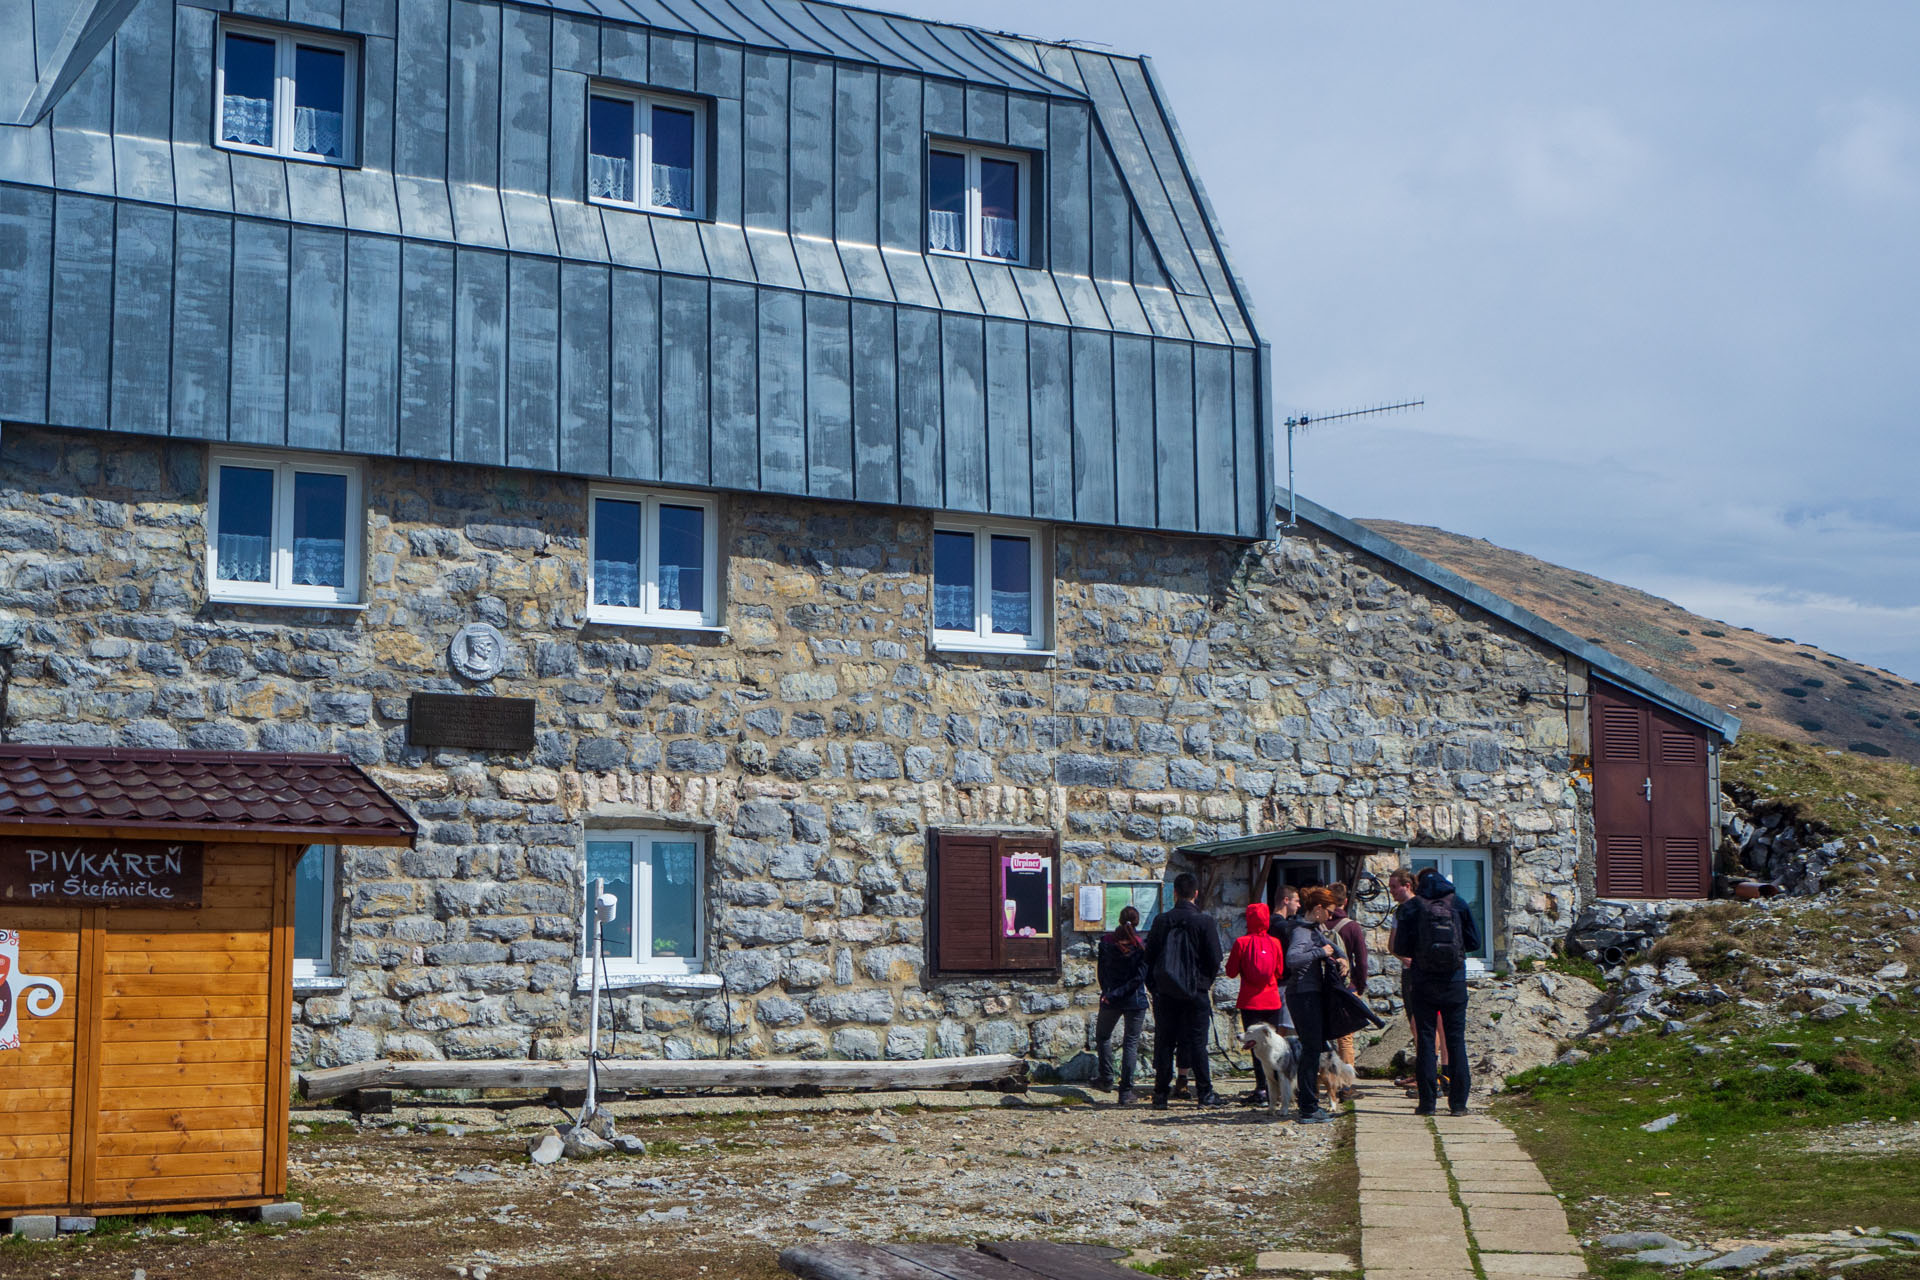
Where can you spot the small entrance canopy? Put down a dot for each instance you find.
(1214, 859)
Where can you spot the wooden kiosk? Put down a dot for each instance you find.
(146, 936)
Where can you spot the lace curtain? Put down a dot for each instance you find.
(319, 562)
(1012, 613)
(616, 583)
(672, 187)
(1000, 237)
(610, 177)
(244, 558)
(946, 231)
(318, 132)
(953, 607)
(248, 121)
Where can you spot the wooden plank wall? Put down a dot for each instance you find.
(164, 1079)
(436, 301)
(36, 1080)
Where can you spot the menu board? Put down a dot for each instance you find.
(100, 873)
(1144, 895)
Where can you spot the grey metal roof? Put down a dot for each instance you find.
(1265, 842)
(1603, 662)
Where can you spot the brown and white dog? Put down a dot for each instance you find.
(1274, 1056)
(1335, 1075)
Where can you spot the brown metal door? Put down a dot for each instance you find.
(1622, 817)
(1652, 826)
(1682, 823)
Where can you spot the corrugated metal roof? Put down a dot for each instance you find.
(269, 796)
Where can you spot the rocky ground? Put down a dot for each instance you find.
(451, 1193)
(1514, 1023)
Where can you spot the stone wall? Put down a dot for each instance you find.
(1201, 689)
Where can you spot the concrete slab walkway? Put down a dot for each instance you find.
(1447, 1198)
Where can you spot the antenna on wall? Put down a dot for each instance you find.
(1303, 421)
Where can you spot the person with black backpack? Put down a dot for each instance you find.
(1183, 955)
(1433, 934)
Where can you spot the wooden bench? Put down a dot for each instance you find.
(997, 1260)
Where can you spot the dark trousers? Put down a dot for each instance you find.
(1447, 1008)
(1183, 1023)
(1307, 1021)
(1248, 1017)
(1110, 1017)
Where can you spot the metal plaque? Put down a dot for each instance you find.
(471, 721)
(55, 872)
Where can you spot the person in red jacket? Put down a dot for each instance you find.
(1258, 960)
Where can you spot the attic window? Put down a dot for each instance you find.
(646, 152)
(284, 93)
(978, 202)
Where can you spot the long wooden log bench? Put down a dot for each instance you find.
(990, 1070)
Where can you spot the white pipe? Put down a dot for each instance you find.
(595, 891)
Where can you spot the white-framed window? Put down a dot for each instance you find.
(1471, 871)
(658, 883)
(647, 152)
(286, 93)
(654, 560)
(990, 586)
(313, 911)
(979, 202)
(284, 529)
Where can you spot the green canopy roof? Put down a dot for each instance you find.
(1293, 839)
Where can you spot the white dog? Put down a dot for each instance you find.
(1275, 1058)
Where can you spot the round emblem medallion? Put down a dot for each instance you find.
(478, 651)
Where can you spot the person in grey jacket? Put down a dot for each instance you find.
(1312, 963)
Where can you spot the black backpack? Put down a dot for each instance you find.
(1438, 953)
(1178, 974)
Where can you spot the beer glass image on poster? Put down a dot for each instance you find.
(1026, 895)
(44, 1001)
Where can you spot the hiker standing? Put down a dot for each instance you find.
(1257, 960)
(1183, 955)
(1286, 917)
(1123, 1000)
(1433, 934)
(1313, 964)
(1353, 939)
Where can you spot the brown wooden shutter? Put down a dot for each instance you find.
(1681, 821)
(964, 910)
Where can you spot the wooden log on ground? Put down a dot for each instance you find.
(318, 1086)
(998, 1070)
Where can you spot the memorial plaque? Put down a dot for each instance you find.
(470, 720)
(100, 873)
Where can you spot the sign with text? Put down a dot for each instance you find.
(100, 873)
(472, 721)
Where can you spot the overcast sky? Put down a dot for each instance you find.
(1655, 267)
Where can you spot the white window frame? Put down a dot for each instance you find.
(1442, 860)
(983, 638)
(285, 42)
(632, 966)
(644, 101)
(974, 155)
(307, 968)
(650, 614)
(282, 589)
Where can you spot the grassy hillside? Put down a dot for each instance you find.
(1774, 684)
(1791, 1112)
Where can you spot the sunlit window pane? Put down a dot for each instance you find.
(673, 148)
(319, 529)
(243, 549)
(319, 101)
(616, 554)
(946, 202)
(1012, 586)
(610, 149)
(612, 861)
(953, 606)
(311, 908)
(1000, 209)
(676, 903)
(246, 113)
(683, 558)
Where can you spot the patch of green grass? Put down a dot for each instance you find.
(1737, 1159)
(1572, 966)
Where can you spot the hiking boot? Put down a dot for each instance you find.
(1159, 1102)
(1457, 1111)
(1103, 1086)
(1124, 1098)
(1213, 1100)
(1423, 1111)
(1181, 1091)
(1318, 1117)
(1258, 1098)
